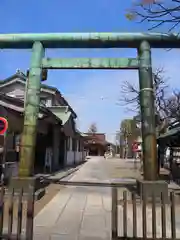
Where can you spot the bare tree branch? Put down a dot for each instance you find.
(156, 12)
(130, 93)
(172, 107)
(167, 107)
(92, 128)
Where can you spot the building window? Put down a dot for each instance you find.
(48, 102)
(43, 102)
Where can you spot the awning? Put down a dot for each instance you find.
(170, 133)
(62, 112)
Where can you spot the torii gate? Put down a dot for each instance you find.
(39, 42)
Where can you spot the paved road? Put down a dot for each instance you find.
(78, 212)
(84, 213)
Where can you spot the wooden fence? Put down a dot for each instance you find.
(126, 206)
(153, 203)
(158, 206)
(19, 204)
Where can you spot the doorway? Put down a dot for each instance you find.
(40, 152)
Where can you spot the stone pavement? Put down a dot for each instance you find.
(84, 213)
(78, 212)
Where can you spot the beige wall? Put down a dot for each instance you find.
(17, 89)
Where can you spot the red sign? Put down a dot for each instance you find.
(3, 125)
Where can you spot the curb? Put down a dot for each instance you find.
(41, 192)
(70, 171)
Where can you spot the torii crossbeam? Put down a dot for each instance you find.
(143, 42)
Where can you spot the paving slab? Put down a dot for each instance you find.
(63, 237)
(70, 220)
(41, 236)
(84, 237)
(93, 222)
(76, 212)
(84, 213)
(49, 214)
(107, 202)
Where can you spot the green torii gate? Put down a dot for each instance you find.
(39, 42)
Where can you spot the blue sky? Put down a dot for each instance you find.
(93, 94)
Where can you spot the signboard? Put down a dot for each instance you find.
(3, 125)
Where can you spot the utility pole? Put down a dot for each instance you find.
(117, 139)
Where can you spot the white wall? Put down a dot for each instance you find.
(74, 157)
(79, 156)
(17, 89)
(70, 158)
(70, 154)
(14, 90)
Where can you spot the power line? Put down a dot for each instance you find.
(85, 97)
